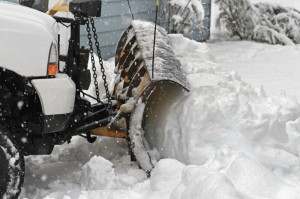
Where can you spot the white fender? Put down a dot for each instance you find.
(57, 95)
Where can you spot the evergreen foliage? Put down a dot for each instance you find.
(181, 16)
(262, 22)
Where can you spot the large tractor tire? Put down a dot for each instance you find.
(11, 166)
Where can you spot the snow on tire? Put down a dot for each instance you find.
(11, 166)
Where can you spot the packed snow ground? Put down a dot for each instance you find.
(233, 140)
(274, 67)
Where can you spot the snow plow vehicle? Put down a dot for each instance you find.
(42, 105)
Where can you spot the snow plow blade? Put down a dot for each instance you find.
(142, 99)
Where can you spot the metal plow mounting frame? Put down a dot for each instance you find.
(143, 100)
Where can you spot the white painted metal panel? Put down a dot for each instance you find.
(57, 95)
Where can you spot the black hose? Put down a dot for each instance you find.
(153, 57)
(130, 9)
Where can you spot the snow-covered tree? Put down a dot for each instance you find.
(181, 16)
(285, 20)
(262, 22)
(237, 17)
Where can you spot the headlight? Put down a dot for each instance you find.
(53, 61)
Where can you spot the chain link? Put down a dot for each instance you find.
(88, 30)
(95, 36)
(101, 63)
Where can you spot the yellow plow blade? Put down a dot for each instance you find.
(146, 99)
(60, 6)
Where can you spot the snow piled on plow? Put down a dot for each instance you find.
(166, 66)
(231, 141)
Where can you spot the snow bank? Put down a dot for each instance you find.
(227, 111)
(222, 119)
(253, 179)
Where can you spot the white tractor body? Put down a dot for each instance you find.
(26, 36)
